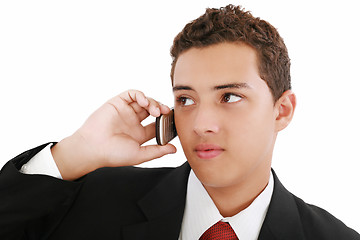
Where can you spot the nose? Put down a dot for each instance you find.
(206, 121)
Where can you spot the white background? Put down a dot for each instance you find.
(60, 60)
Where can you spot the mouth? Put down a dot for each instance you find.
(208, 151)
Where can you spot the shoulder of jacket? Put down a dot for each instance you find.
(130, 176)
(320, 224)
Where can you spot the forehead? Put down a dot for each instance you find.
(217, 64)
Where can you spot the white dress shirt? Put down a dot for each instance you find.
(42, 163)
(200, 211)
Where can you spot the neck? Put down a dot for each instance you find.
(232, 199)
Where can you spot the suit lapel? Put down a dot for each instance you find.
(282, 220)
(164, 212)
(163, 207)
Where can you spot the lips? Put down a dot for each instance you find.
(208, 151)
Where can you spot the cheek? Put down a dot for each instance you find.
(183, 126)
(250, 127)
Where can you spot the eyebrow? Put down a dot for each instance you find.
(219, 87)
(233, 85)
(182, 87)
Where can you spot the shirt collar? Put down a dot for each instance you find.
(201, 213)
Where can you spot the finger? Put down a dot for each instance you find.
(154, 107)
(144, 113)
(140, 104)
(137, 108)
(141, 112)
(123, 109)
(126, 105)
(164, 109)
(149, 132)
(150, 152)
(134, 96)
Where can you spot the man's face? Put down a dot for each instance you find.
(224, 114)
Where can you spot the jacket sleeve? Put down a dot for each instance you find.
(31, 206)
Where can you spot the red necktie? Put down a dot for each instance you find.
(219, 231)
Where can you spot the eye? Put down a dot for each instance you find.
(185, 101)
(230, 98)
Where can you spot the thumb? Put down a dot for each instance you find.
(151, 152)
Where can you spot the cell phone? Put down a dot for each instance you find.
(165, 128)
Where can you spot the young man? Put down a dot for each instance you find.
(231, 83)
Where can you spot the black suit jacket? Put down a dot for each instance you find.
(133, 203)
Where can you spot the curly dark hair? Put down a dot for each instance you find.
(233, 24)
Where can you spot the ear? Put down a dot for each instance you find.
(285, 107)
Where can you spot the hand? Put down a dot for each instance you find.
(112, 136)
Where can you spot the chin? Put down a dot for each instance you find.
(212, 177)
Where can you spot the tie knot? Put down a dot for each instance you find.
(219, 231)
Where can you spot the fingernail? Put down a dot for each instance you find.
(145, 101)
(156, 111)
